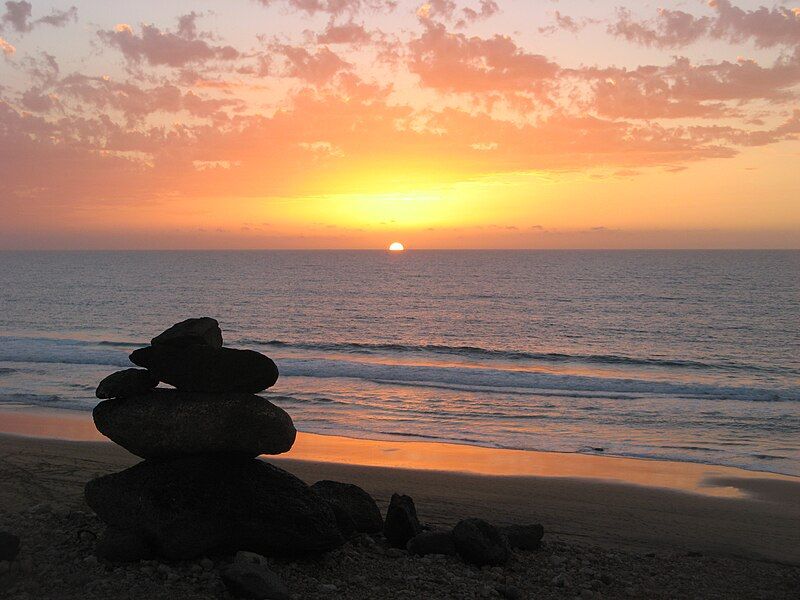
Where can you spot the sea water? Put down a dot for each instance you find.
(682, 355)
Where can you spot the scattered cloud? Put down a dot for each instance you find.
(161, 47)
(18, 17)
(675, 28)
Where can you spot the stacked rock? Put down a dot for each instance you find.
(200, 488)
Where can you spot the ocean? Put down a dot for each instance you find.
(679, 355)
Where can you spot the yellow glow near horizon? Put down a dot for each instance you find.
(396, 247)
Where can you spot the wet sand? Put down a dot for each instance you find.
(632, 504)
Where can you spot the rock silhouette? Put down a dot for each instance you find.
(188, 507)
(202, 331)
(200, 488)
(122, 384)
(170, 423)
(355, 509)
(201, 368)
(401, 523)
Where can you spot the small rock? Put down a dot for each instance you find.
(586, 594)
(480, 543)
(486, 591)
(327, 588)
(557, 561)
(401, 522)
(250, 558)
(90, 560)
(395, 553)
(207, 564)
(123, 384)
(432, 542)
(254, 581)
(9, 546)
(356, 511)
(202, 331)
(509, 591)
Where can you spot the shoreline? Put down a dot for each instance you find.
(449, 457)
(759, 525)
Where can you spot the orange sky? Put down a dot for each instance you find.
(446, 124)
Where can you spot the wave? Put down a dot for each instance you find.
(516, 355)
(457, 378)
(481, 380)
(59, 351)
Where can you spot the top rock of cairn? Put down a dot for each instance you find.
(189, 356)
(201, 331)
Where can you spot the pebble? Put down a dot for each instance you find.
(396, 553)
(509, 592)
(207, 564)
(586, 594)
(327, 588)
(90, 560)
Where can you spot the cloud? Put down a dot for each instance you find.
(684, 89)
(347, 33)
(675, 29)
(18, 17)
(458, 63)
(174, 49)
(316, 67)
(566, 23)
(335, 7)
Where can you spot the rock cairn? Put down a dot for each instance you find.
(200, 488)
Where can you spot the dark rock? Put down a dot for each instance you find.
(524, 537)
(189, 507)
(118, 545)
(356, 511)
(480, 543)
(170, 423)
(9, 546)
(254, 581)
(203, 331)
(432, 542)
(509, 591)
(207, 369)
(123, 384)
(401, 521)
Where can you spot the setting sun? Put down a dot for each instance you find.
(396, 247)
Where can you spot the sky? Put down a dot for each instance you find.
(440, 124)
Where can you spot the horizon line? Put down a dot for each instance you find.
(412, 249)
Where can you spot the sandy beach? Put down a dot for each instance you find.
(711, 520)
(639, 504)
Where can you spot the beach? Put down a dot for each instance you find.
(734, 530)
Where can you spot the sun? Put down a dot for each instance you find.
(396, 247)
